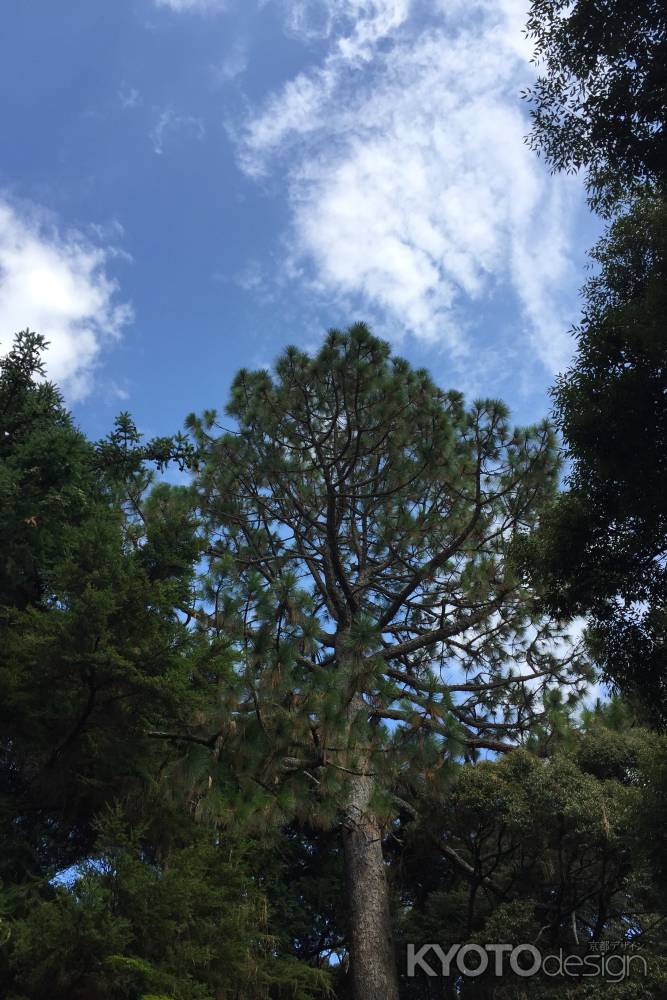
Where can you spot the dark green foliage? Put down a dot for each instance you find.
(602, 549)
(102, 684)
(601, 105)
(192, 927)
(601, 99)
(123, 723)
(301, 873)
(43, 476)
(357, 526)
(122, 452)
(92, 654)
(558, 852)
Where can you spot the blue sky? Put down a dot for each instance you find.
(186, 186)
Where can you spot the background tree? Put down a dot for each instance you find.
(600, 105)
(99, 675)
(600, 101)
(300, 871)
(360, 601)
(92, 654)
(192, 926)
(602, 549)
(559, 851)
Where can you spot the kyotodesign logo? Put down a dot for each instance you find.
(524, 960)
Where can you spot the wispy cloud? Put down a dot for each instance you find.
(200, 6)
(129, 97)
(356, 24)
(57, 284)
(410, 185)
(230, 66)
(169, 123)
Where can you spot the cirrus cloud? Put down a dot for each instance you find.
(186, 6)
(410, 185)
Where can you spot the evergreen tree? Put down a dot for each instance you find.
(360, 603)
(92, 655)
(99, 676)
(602, 549)
(191, 925)
(600, 101)
(301, 873)
(600, 105)
(559, 851)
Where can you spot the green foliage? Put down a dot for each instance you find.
(193, 927)
(92, 653)
(123, 452)
(357, 534)
(602, 549)
(601, 105)
(559, 852)
(600, 101)
(357, 526)
(43, 480)
(102, 683)
(301, 874)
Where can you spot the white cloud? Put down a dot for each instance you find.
(308, 19)
(57, 285)
(119, 392)
(304, 105)
(232, 65)
(129, 98)
(201, 6)
(170, 122)
(358, 24)
(409, 181)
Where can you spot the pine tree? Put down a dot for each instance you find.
(359, 602)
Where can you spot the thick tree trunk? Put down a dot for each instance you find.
(373, 961)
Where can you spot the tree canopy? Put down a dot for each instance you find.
(95, 663)
(601, 552)
(92, 654)
(356, 526)
(600, 105)
(599, 102)
(557, 851)
(250, 726)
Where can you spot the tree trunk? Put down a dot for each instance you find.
(373, 961)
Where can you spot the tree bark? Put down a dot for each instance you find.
(373, 962)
